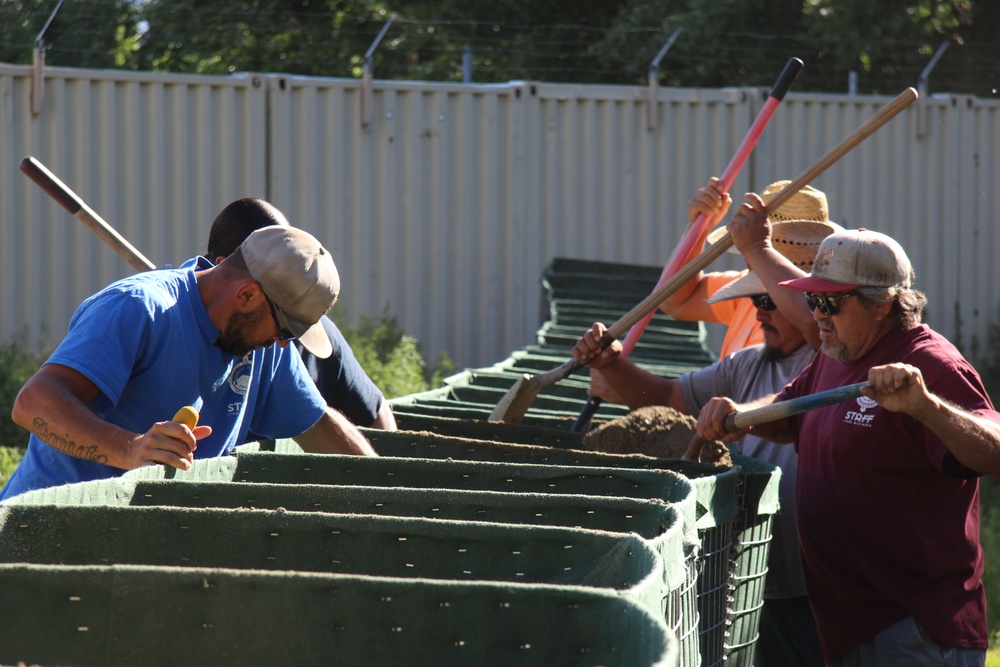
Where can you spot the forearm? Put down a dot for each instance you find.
(639, 388)
(335, 434)
(972, 439)
(384, 419)
(64, 422)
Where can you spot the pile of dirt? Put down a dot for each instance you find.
(656, 431)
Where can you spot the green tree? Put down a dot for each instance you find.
(391, 357)
(84, 33)
(308, 37)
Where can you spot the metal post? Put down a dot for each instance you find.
(467, 64)
(653, 76)
(852, 83)
(367, 76)
(38, 64)
(922, 88)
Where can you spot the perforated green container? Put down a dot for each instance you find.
(123, 616)
(657, 522)
(335, 543)
(716, 489)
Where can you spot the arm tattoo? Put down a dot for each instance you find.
(66, 445)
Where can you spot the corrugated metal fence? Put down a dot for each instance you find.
(442, 203)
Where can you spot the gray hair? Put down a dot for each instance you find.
(907, 304)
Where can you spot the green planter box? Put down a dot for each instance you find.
(123, 616)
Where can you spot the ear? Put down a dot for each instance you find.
(882, 310)
(248, 296)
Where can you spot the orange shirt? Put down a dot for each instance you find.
(739, 314)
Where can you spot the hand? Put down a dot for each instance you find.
(588, 348)
(750, 228)
(710, 201)
(168, 443)
(600, 388)
(711, 423)
(898, 388)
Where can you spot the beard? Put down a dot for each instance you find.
(834, 347)
(235, 339)
(769, 353)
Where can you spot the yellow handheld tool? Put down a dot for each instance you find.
(187, 415)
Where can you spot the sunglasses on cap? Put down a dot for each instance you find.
(763, 302)
(279, 321)
(828, 305)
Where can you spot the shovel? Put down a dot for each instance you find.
(684, 248)
(515, 403)
(58, 190)
(736, 421)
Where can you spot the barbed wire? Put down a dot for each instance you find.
(503, 50)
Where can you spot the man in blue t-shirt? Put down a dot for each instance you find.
(213, 337)
(340, 378)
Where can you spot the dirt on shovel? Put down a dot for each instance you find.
(656, 431)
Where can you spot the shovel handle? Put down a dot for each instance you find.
(736, 421)
(777, 94)
(69, 200)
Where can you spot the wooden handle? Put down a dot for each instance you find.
(691, 269)
(69, 200)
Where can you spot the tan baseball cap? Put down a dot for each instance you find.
(300, 279)
(856, 258)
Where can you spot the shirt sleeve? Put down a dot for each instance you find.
(289, 402)
(342, 381)
(105, 340)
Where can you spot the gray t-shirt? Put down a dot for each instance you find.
(744, 376)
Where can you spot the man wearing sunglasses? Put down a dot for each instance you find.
(787, 631)
(213, 337)
(339, 377)
(888, 492)
(693, 301)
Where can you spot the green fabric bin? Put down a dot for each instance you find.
(153, 616)
(335, 543)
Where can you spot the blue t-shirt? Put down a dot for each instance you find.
(340, 378)
(148, 344)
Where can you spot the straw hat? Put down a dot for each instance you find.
(798, 241)
(808, 204)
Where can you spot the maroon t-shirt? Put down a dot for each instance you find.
(888, 519)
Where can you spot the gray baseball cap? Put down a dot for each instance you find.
(299, 277)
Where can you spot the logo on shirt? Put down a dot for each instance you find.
(861, 416)
(239, 377)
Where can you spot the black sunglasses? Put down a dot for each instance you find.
(828, 305)
(279, 321)
(763, 302)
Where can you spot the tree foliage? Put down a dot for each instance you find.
(886, 45)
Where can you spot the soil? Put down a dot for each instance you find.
(654, 431)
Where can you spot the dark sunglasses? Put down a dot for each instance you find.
(763, 302)
(826, 304)
(279, 321)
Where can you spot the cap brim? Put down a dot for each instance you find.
(312, 336)
(811, 284)
(746, 285)
(316, 341)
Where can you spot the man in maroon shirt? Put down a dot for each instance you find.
(888, 492)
